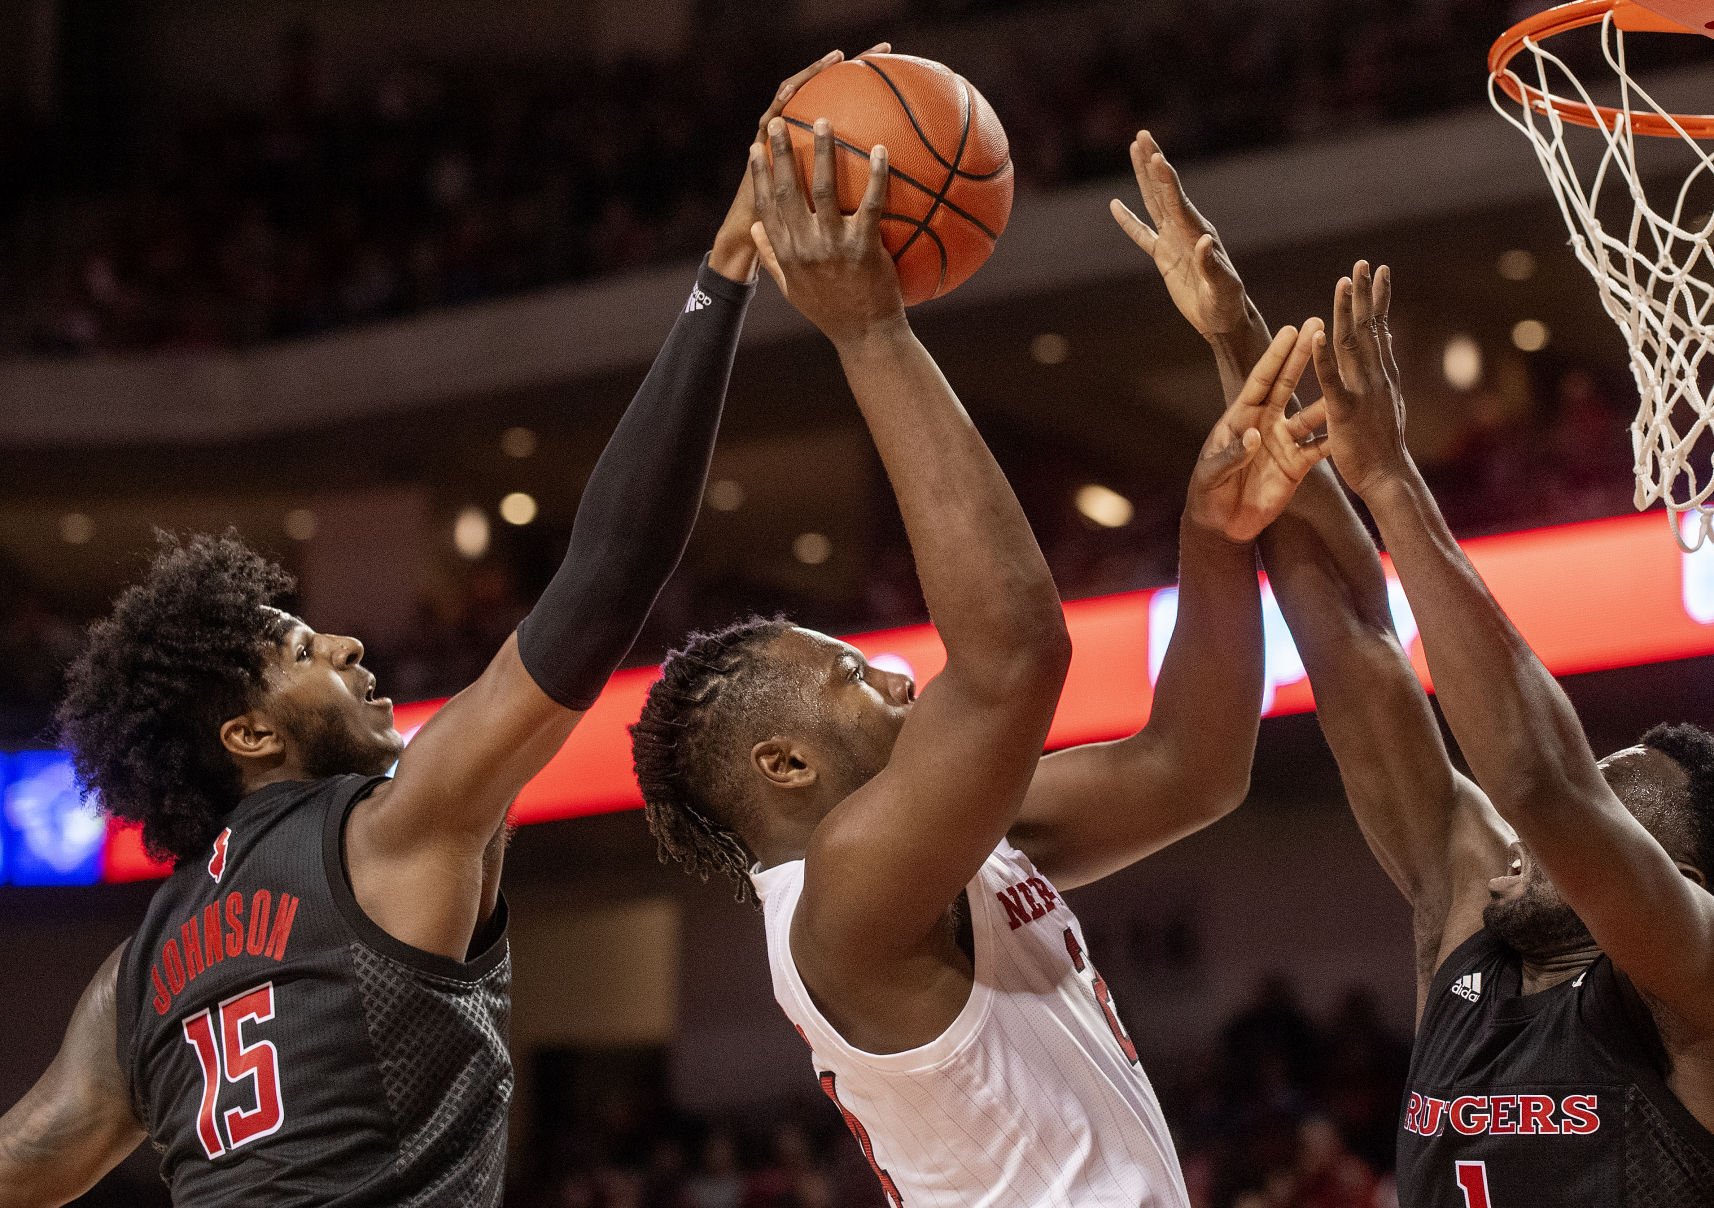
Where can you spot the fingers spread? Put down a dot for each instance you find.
(1383, 308)
(1258, 387)
(823, 191)
(761, 183)
(1362, 298)
(1306, 426)
(1346, 335)
(874, 202)
(787, 188)
(879, 48)
(1366, 319)
(1170, 190)
(1141, 233)
(789, 89)
(1326, 367)
(765, 252)
(1297, 360)
(1208, 257)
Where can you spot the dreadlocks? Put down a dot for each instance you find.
(182, 651)
(681, 746)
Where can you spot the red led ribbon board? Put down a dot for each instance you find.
(1588, 597)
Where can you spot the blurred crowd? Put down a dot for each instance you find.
(1288, 1112)
(432, 184)
(1563, 456)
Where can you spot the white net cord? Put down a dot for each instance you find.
(1656, 276)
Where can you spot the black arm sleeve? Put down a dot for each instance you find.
(637, 512)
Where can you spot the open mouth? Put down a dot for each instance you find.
(1516, 870)
(369, 697)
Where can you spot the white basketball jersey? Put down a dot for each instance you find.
(1031, 1097)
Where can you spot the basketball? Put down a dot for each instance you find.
(950, 168)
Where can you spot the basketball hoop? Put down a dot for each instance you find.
(1654, 266)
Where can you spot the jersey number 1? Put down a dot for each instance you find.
(1473, 1182)
(258, 1063)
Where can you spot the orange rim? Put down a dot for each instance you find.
(1564, 18)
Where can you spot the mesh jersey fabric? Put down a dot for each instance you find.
(282, 1049)
(1558, 1097)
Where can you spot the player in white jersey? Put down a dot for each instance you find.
(909, 853)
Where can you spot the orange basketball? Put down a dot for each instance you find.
(950, 187)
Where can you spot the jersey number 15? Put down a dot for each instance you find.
(226, 1060)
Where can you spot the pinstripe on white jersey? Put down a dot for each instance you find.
(1028, 1098)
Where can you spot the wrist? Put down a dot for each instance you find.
(1391, 485)
(881, 335)
(733, 256)
(1249, 338)
(1210, 538)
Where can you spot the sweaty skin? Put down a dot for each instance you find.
(890, 841)
(1432, 830)
(1446, 847)
(424, 851)
(1646, 909)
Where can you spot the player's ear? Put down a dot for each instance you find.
(1692, 872)
(252, 735)
(783, 763)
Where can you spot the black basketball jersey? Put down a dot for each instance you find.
(1549, 1099)
(282, 1049)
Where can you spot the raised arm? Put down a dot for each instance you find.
(410, 846)
(75, 1124)
(1512, 721)
(1429, 827)
(886, 864)
(1097, 808)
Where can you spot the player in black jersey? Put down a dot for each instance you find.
(1565, 984)
(314, 1009)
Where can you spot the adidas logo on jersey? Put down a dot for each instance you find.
(697, 300)
(1469, 987)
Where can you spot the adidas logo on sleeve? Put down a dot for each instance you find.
(1469, 987)
(697, 301)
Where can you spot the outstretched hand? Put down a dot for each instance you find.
(832, 267)
(1256, 455)
(1183, 244)
(1360, 378)
(735, 254)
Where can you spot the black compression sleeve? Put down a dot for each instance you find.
(640, 504)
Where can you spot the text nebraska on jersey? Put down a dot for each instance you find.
(229, 928)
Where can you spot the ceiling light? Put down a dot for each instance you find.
(1530, 335)
(470, 533)
(518, 508)
(1461, 362)
(1516, 265)
(1105, 507)
(812, 549)
(725, 494)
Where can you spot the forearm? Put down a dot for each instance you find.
(1207, 701)
(1510, 717)
(983, 577)
(1237, 352)
(640, 504)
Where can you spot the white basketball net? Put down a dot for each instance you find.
(1655, 270)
